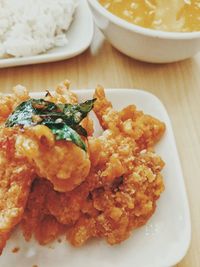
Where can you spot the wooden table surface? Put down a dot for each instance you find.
(177, 85)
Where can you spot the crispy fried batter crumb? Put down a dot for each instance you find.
(15, 250)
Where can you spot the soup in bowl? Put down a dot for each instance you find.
(165, 15)
(158, 31)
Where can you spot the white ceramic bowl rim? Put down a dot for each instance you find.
(142, 30)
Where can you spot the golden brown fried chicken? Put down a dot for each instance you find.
(105, 204)
(130, 200)
(30, 151)
(37, 220)
(44, 201)
(123, 192)
(105, 192)
(123, 185)
(63, 163)
(9, 103)
(53, 159)
(15, 180)
(63, 94)
(126, 181)
(144, 129)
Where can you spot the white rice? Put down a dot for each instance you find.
(30, 27)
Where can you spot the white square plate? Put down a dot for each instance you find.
(162, 242)
(79, 37)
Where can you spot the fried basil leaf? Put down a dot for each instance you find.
(64, 132)
(63, 119)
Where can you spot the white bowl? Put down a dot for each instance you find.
(145, 44)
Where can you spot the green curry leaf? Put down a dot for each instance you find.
(63, 119)
(64, 132)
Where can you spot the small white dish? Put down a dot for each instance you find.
(79, 37)
(162, 242)
(145, 44)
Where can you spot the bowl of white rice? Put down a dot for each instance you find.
(34, 31)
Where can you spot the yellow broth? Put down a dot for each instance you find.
(164, 15)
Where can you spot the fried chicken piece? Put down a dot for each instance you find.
(67, 207)
(121, 190)
(49, 214)
(128, 169)
(35, 208)
(9, 102)
(144, 129)
(123, 187)
(113, 153)
(15, 180)
(62, 162)
(63, 94)
(122, 205)
(100, 206)
(125, 182)
(107, 116)
(53, 159)
(131, 199)
(36, 219)
(38, 144)
(117, 196)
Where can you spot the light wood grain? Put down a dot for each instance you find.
(177, 85)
